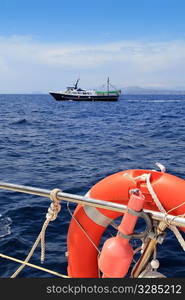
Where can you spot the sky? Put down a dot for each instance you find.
(47, 44)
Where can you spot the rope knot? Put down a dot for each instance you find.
(55, 206)
(51, 215)
(142, 177)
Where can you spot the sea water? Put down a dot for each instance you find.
(71, 146)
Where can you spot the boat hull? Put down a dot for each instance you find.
(64, 97)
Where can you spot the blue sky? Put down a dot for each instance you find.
(46, 45)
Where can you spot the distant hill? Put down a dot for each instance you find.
(155, 91)
(37, 92)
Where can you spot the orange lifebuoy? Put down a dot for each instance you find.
(82, 254)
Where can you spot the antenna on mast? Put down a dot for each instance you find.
(108, 83)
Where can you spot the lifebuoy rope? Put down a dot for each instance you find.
(86, 234)
(81, 227)
(161, 208)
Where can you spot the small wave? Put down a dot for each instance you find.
(20, 121)
(5, 228)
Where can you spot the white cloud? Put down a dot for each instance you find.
(27, 65)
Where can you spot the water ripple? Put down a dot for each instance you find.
(48, 144)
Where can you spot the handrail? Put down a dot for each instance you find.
(173, 220)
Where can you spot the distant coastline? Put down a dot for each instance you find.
(150, 91)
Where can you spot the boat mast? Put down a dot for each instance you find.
(108, 83)
(76, 84)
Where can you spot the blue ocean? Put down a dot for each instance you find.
(71, 146)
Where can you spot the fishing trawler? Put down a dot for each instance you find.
(75, 93)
